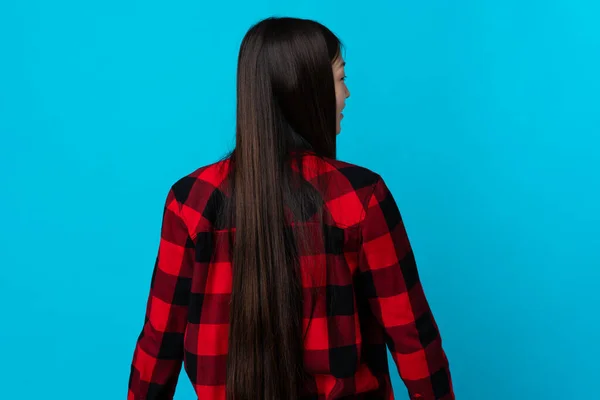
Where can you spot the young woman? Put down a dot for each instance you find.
(282, 272)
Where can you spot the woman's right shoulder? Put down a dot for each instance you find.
(358, 176)
(347, 189)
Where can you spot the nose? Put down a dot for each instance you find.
(347, 93)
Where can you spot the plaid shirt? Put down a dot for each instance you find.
(371, 297)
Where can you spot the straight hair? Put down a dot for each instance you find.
(285, 106)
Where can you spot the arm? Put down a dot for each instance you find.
(158, 352)
(391, 284)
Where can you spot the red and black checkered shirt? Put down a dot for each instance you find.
(372, 299)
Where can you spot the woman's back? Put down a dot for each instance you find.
(359, 281)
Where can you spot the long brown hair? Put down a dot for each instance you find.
(285, 102)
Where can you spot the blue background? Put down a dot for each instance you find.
(482, 116)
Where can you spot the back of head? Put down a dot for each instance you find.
(285, 82)
(285, 102)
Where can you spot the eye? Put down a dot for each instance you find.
(344, 77)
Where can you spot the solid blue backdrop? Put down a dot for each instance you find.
(482, 116)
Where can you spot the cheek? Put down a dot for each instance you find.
(339, 96)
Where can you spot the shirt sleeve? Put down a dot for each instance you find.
(390, 280)
(158, 354)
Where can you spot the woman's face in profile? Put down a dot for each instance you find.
(341, 90)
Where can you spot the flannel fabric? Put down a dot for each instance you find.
(371, 298)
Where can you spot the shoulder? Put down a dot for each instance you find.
(359, 177)
(348, 188)
(202, 180)
(198, 192)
